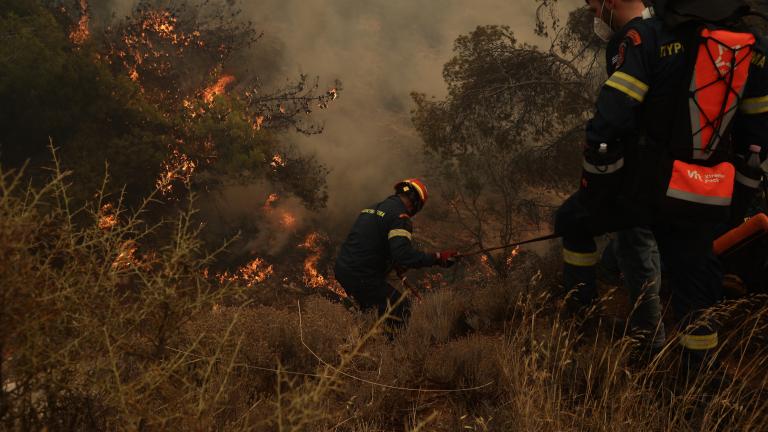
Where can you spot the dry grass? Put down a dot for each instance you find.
(96, 340)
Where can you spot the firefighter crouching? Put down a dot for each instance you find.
(697, 96)
(380, 241)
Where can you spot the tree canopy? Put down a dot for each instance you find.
(151, 96)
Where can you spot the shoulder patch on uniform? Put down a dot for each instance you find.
(618, 59)
(635, 37)
(404, 216)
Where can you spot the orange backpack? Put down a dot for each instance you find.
(699, 173)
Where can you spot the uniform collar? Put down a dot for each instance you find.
(648, 13)
(620, 34)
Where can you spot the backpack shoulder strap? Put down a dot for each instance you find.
(718, 80)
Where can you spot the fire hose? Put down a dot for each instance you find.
(408, 287)
(533, 240)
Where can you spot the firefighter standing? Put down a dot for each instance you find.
(379, 241)
(679, 91)
(635, 254)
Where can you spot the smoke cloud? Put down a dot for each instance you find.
(381, 50)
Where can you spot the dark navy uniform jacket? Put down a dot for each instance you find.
(650, 72)
(381, 238)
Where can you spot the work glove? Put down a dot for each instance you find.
(447, 258)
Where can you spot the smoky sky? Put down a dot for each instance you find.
(381, 51)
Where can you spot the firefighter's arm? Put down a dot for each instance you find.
(615, 118)
(750, 129)
(403, 252)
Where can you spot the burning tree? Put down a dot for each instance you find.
(162, 92)
(222, 108)
(511, 122)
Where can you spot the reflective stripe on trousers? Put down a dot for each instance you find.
(581, 259)
(699, 342)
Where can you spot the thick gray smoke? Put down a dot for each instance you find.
(381, 50)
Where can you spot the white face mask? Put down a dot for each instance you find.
(601, 29)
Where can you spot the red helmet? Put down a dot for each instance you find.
(416, 190)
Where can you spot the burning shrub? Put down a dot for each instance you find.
(154, 93)
(107, 326)
(92, 317)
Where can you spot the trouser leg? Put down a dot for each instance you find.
(638, 259)
(696, 279)
(401, 306)
(579, 276)
(609, 259)
(375, 293)
(579, 251)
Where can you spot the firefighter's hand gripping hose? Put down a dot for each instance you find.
(447, 258)
(450, 257)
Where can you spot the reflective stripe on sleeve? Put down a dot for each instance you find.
(699, 342)
(399, 233)
(378, 213)
(628, 85)
(580, 259)
(603, 169)
(756, 105)
(747, 181)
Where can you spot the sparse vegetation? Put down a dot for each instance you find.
(116, 314)
(106, 327)
(507, 128)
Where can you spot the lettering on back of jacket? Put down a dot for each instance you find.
(670, 49)
(758, 59)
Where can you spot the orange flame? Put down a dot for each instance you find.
(219, 88)
(330, 96)
(251, 274)
(432, 281)
(277, 162)
(81, 33)
(107, 217)
(138, 47)
(126, 256)
(487, 268)
(133, 74)
(312, 276)
(512, 256)
(258, 122)
(287, 220)
(284, 217)
(191, 108)
(271, 199)
(178, 167)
